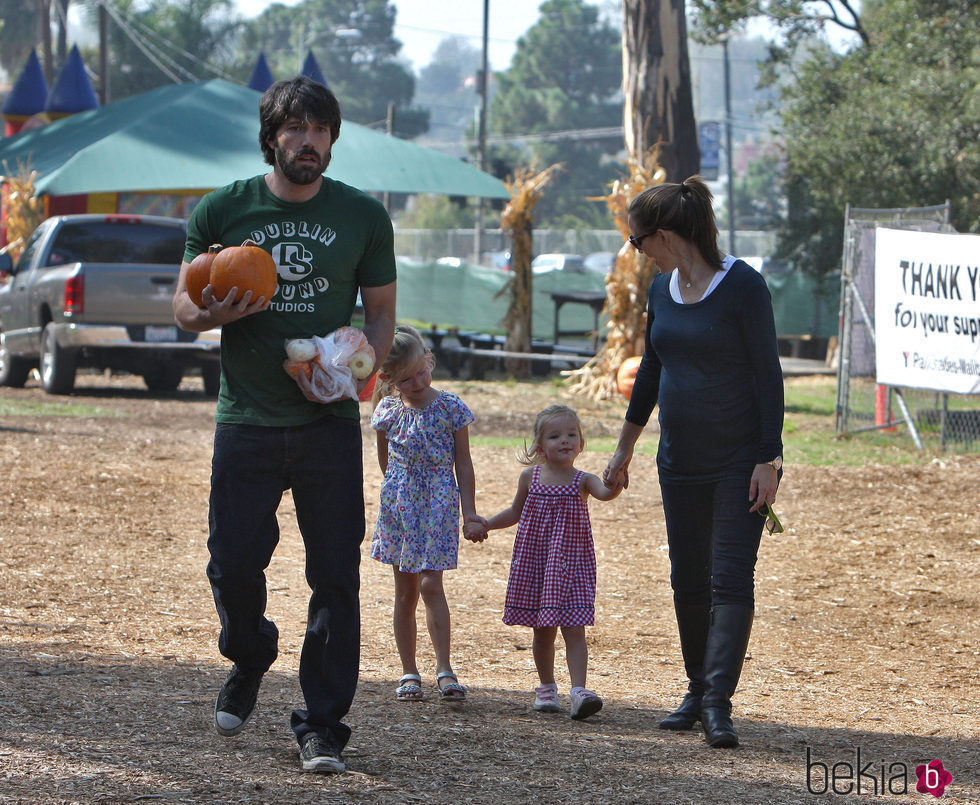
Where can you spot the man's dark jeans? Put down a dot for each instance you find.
(251, 468)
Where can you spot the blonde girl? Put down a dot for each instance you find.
(424, 453)
(553, 572)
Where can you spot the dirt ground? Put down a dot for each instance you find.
(863, 660)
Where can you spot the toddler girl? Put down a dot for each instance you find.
(553, 572)
(422, 438)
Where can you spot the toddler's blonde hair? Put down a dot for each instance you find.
(534, 454)
(406, 349)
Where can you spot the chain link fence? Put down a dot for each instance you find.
(432, 244)
(933, 419)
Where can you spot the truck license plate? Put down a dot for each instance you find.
(158, 334)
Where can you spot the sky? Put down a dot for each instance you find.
(422, 24)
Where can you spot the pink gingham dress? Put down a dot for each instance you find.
(418, 521)
(552, 572)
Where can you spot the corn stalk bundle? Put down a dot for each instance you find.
(626, 288)
(525, 188)
(22, 208)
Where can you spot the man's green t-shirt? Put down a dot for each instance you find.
(325, 249)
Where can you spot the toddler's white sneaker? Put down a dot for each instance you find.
(584, 703)
(546, 698)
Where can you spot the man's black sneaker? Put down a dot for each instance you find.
(319, 754)
(236, 700)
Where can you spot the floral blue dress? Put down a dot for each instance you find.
(418, 522)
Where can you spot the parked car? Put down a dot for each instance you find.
(497, 260)
(557, 262)
(600, 262)
(95, 291)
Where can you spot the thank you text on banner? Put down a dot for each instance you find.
(927, 310)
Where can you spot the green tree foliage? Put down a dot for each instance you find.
(565, 77)
(796, 20)
(353, 42)
(434, 212)
(892, 122)
(895, 123)
(160, 42)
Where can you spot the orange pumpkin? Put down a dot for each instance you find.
(199, 273)
(247, 267)
(627, 374)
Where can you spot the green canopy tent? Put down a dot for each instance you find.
(204, 135)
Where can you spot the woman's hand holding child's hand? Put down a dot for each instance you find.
(475, 528)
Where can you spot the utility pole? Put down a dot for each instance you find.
(103, 55)
(478, 229)
(728, 151)
(47, 57)
(62, 7)
(390, 131)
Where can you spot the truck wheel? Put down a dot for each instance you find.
(163, 376)
(13, 371)
(211, 374)
(57, 365)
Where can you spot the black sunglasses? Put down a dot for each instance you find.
(637, 240)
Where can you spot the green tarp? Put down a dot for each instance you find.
(802, 307)
(468, 297)
(204, 135)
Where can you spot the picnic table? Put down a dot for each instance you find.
(594, 299)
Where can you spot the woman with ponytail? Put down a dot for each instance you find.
(711, 364)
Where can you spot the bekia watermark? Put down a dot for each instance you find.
(874, 777)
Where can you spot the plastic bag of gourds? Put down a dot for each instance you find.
(328, 367)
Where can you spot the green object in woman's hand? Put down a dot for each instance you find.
(773, 526)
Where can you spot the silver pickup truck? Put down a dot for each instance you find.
(95, 291)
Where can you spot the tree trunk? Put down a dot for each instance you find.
(658, 104)
(44, 21)
(517, 220)
(62, 32)
(519, 314)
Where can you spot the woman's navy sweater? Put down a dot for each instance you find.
(713, 367)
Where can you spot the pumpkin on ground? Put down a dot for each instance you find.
(627, 374)
(199, 274)
(247, 267)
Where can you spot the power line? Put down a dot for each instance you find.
(454, 34)
(138, 41)
(600, 133)
(159, 55)
(160, 38)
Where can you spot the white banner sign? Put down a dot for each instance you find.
(927, 310)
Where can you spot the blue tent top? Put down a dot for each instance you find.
(72, 91)
(312, 70)
(261, 78)
(30, 92)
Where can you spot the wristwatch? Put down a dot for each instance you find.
(776, 463)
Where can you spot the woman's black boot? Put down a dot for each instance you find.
(692, 626)
(728, 638)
